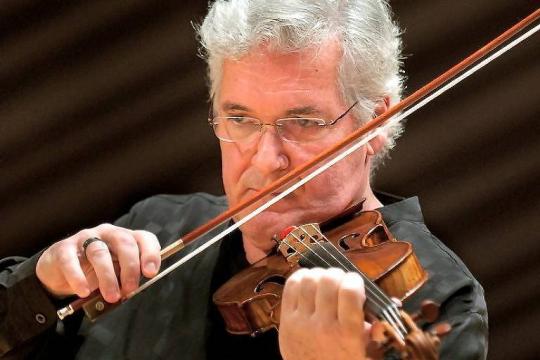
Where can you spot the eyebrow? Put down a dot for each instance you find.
(232, 106)
(301, 110)
(304, 110)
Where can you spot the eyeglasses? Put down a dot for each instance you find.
(297, 130)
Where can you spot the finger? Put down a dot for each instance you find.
(149, 248)
(125, 247)
(367, 332)
(308, 290)
(70, 267)
(99, 256)
(351, 301)
(327, 294)
(289, 301)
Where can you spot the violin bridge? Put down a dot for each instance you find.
(297, 240)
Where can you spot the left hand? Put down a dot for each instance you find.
(322, 316)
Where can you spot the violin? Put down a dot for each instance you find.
(356, 241)
(357, 246)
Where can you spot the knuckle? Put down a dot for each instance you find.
(334, 272)
(353, 294)
(123, 239)
(63, 258)
(296, 276)
(147, 235)
(95, 252)
(131, 267)
(310, 278)
(350, 291)
(56, 248)
(84, 234)
(332, 275)
(353, 280)
(105, 227)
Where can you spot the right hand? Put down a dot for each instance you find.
(65, 270)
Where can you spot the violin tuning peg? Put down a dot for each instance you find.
(378, 341)
(378, 333)
(441, 329)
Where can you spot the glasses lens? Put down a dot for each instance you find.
(301, 129)
(235, 128)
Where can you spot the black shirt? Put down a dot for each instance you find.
(176, 319)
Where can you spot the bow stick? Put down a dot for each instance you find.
(300, 176)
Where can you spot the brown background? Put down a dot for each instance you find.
(103, 103)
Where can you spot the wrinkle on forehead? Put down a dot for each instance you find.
(290, 80)
(305, 63)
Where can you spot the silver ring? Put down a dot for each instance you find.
(88, 241)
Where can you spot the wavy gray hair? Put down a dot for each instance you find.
(370, 42)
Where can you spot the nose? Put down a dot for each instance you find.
(270, 155)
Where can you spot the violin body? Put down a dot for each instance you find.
(250, 301)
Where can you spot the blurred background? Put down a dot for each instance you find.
(103, 103)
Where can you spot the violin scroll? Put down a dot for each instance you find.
(418, 344)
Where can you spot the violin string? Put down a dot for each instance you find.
(388, 307)
(396, 314)
(352, 267)
(334, 160)
(371, 289)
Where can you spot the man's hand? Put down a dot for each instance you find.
(322, 316)
(64, 269)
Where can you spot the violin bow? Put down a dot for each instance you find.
(94, 305)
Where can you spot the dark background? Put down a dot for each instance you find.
(103, 103)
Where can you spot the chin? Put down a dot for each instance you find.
(264, 226)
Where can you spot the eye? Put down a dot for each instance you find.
(242, 120)
(307, 123)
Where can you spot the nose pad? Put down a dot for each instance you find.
(269, 130)
(270, 127)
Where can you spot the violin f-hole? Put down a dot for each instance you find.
(275, 279)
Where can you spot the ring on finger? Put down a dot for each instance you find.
(88, 241)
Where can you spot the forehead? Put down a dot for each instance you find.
(290, 78)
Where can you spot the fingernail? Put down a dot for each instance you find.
(150, 267)
(84, 292)
(114, 296)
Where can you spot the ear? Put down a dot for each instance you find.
(377, 143)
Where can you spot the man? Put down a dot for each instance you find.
(288, 79)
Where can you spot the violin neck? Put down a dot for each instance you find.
(326, 255)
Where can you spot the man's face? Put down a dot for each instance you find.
(270, 86)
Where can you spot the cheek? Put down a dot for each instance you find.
(233, 164)
(345, 181)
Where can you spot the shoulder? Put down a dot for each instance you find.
(447, 272)
(166, 203)
(450, 283)
(165, 206)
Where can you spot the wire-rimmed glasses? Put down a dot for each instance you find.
(293, 129)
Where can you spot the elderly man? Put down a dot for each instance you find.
(288, 79)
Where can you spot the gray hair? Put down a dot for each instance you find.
(370, 43)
